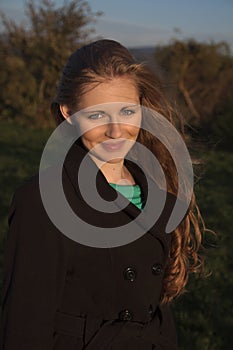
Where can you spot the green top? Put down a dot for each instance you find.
(131, 192)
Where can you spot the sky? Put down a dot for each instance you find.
(140, 23)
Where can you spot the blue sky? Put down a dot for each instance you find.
(151, 22)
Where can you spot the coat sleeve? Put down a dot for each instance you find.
(33, 274)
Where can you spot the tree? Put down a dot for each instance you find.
(35, 53)
(201, 74)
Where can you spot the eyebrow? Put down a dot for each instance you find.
(99, 111)
(130, 106)
(88, 112)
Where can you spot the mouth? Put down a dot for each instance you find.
(113, 145)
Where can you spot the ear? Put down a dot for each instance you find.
(66, 112)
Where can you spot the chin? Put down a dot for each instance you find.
(107, 160)
(115, 160)
(110, 157)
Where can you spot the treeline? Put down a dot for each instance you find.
(34, 53)
(198, 75)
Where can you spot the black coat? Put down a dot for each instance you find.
(62, 295)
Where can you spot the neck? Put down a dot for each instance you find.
(115, 172)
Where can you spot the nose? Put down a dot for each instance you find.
(114, 130)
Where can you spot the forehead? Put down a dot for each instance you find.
(122, 89)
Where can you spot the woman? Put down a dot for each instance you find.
(61, 294)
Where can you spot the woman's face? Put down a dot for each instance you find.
(109, 119)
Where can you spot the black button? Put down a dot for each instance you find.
(156, 347)
(125, 315)
(130, 274)
(157, 269)
(69, 274)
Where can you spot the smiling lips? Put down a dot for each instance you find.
(113, 146)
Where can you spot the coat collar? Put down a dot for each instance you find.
(72, 164)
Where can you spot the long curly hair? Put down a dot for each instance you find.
(104, 60)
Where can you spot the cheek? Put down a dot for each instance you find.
(92, 135)
(135, 127)
(132, 130)
(87, 136)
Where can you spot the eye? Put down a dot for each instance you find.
(127, 112)
(95, 116)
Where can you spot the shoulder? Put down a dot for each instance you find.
(29, 193)
(24, 194)
(30, 226)
(30, 188)
(26, 202)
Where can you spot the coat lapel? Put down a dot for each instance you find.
(72, 165)
(156, 228)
